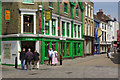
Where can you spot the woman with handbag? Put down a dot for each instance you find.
(54, 57)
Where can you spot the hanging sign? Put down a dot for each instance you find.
(48, 15)
(7, 14)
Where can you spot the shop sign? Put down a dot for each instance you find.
(62, 38)
(48, 15)
(7, 14)
(99, 32)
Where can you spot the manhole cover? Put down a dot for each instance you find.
(68, 72)
(33, 74)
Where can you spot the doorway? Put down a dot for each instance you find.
(27, 45)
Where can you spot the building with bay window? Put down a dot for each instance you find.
(89, 28)
(25, 26)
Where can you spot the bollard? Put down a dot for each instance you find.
(16, 62)
(60, 60)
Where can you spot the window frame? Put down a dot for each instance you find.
(65, 7)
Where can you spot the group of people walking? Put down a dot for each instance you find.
(28, 58)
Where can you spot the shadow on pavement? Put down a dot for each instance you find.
(116, 58)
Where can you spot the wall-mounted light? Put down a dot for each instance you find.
(40, 7)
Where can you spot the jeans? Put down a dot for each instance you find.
(50, 60)
(29, 64)
(23, 64)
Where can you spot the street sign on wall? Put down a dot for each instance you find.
(7, 14)
(99, 32)
(48, 15)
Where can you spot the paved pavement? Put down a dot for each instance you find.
(98, 66)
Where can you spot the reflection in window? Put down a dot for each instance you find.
(62, 48)
(74, 48)
(47, 46)
(79, 49)
(79, 31)
(68, 29)
(75, 33)
(63, 28)
(53, 26)
(47, 26)
(54, 45)
(68, 49)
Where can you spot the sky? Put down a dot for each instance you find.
(109, 8)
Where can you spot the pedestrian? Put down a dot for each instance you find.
(36, 59)
(50, 56)
(29, 58)
(54, 57)
(22, 58)
(108, 51)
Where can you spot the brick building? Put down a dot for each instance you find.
(25, 27)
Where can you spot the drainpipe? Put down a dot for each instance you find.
(42, 43)
(72, 27)
(0, 34)
(59, 29)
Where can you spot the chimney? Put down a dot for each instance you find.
(115, 19)
(100, 13)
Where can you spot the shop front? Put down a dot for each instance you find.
(65, 48)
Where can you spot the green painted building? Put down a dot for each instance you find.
(25, 26)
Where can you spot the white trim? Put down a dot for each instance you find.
(51, 27)
(28, 12)
(28, 3)
(55, 15)
(65, 18)
(77, 22)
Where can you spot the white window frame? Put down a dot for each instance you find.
(86, 8)
(28, 12)
(66, 21)
(56, 26)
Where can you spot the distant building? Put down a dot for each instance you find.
(96, 39)
(106, 26)
(89, 28)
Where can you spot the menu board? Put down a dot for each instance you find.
(7, 52)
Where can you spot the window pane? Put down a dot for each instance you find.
(68, 49)
(28, 23)
(53, 26)
(47, 25)
(68, 29)
(62, 48)
(78, 30)
(47, 45)
(79, 49)
(65, 7)
(74, 48)
(63, 28)
(75, 30)
(54, 45)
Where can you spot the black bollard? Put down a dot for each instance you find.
(16, 62)
(60, 60)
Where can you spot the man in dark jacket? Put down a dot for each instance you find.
(36, 59)
(29, 57)
(22, 58)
